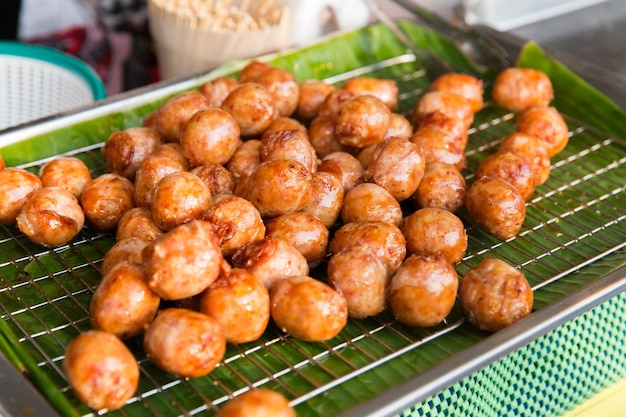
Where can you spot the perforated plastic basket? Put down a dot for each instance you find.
(37, 81)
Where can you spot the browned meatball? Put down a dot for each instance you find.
(252, 70)
(496, 206)
(105, 200)
(312, 95)
(423, 290)
(547, 124)
(397, 165)
(430, 231)
(533, 150)
(464, 85)
(184, 261)
(122, 303)
(246, 158)
(51, 217)
(174, 113)
(210, 136)
(236, 221)
(442, 186)
(277, 187)
(252, 106)
(16, 187)
(399, 126)
(185, 342)
(286, 123)
(174, 151)
(384, 89)
(288, 144)
(271, 260)
(450, 129)
(494, 295)
(345, 167)
(363, 121)
(127, 250)
(125, 150)
(308, 309)
(436, 147)
(179, 198)
(66, 172)
(216, 177)
(283, 87)
(334, 102)
(322, 136)
(304, 231)
(369, 201)
(240, 303)
(386, 241)
(216, 90)
(101, 369)
(325, 198)
(152, 170)
(516, 89)
(450, 104)
(362, 277)
(258, 402)
(512, 168)
(137, 222)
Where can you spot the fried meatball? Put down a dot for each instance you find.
(101, 369)
(184, 261)
(216, 177)
(369, 201)
(312, 95)
(137, 222)
(240, 303)
(334, 102)
(51, 217)
(325, 198)
(304, 231)
(236, 221)
(423, 290)
(122, 303)
(125, 150)
(179, 198)
(66, 172)
(449, 129)
(450, 104)
(345, 167)
(494, 295)
(363, 121)
(547, 124)
(210, 136)
(185, 342)
(464, 85)
(308, 309)
(442, 186)
(516, 89)
(252, 70)
(173, 151)
(252, 106)
(283, 87)
(533, 150)
(397, 165)
(16, 187)
(271, 260)
(258, 402)
(216, 90)
(384, 89)
(496, 207)
(127, 250)
(174, 113)
(288, 144)
(399, 126)
(435, 146)
(362, 277)
(385, 240)
(152, 170)
(322, 136)
(105, 200)
(286, 123)
(245, 159)
(512, 168)
(277, 187)
(430, 231)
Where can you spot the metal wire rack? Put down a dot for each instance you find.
(574, 219)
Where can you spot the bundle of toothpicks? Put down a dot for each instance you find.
(196, 35)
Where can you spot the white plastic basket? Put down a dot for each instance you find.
(37, 81)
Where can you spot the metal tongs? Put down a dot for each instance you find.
(478, 47)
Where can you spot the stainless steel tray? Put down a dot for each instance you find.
(574, 221)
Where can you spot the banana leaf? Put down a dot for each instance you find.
(45, 294)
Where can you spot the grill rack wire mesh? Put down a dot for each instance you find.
(574, 219)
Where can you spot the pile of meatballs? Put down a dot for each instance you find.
(229, 196)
